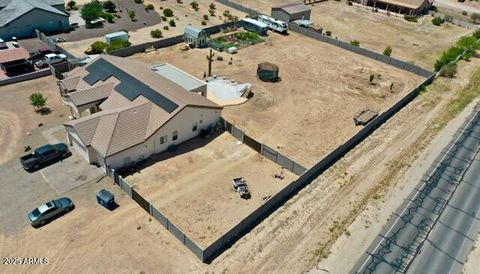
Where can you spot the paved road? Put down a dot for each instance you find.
(454, 4)
(434, 229)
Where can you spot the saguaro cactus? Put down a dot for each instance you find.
(210, 61)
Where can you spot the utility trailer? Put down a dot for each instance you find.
(240, 186)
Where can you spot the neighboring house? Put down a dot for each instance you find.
(20, 18)
(291, 12)
(136, 112)
(408, 7)
(195, 37)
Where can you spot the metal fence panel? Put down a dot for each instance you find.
(237, 133)
(159, 216)
(285, 161)
(269, 153)
(252, 143)
(140, 200)
(298, 169)
(197, 250)
(228, 126)
(176, 232)
(125, 187)
(397, 63)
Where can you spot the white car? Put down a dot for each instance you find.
(50, 59)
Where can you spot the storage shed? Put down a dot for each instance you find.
(267, 72)
(291, 12)
(195, 37)
(116, 36)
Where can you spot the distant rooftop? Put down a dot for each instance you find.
(9, 55)
(193, 31)
(293, 8)
(12, 9)
(181, 78)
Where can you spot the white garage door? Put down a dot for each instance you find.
(79, 147)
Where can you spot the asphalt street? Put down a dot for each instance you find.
(435, 228)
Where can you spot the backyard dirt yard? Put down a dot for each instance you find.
(421, 42)
(310, 111)
(184, 15)
(193, 187)
(17, 116)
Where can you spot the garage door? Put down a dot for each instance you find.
(79, 147)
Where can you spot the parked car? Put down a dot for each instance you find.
(240, 185)
(60, 39)
(49, 211)
(50, 59)
(44, 154)
(40, 54)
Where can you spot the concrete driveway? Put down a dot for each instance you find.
(22, 191)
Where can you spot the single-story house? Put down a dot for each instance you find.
(292, 12)
(195, 37)
(21, 18)
(135, 112)
(408, 7)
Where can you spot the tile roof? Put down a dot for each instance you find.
(17, 8)
(413, 4)
(124, 123)
(8, 55)
(93, 94)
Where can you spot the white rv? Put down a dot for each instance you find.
(273, 24)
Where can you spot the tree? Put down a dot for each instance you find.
(212, 6)
(210, 61)
(388, 51)
(449, 70)
(194, 5)
(132, 15)
(71, 4)
(91, 11)
(437, 21)
(99, 47)
(38, 101)
(172, 23)
(475, 17)
(168, 12)
(109, 6)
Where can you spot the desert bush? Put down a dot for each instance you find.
(437, 21)
(388, 51)
(355, 43)
(168, 12)
(99, 47)
(171, 23)
(156, 33)
(449, 70)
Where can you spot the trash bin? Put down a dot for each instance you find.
(106, 199)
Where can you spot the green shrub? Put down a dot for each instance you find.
(66, 29)
(212, 6)
(328, 33)
(171, 23)
(109, 6)
(150, 7)
(109, 17)
(91, 11)
(388, 51)
(475, 17)
(168, 12)
(437, 21)
(99, 47)
(132, 15)
(194, 5)
(204, 22)
(156, 33)
(349, 3)
(410, 18)
(355, 43)
(139, 1)
(464, 13)
(165, 27)
(205, 17)
(118, 44)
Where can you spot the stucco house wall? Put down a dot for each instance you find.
(183, 123)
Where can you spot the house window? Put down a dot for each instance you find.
(174, 135)
(163, 139)
(194, 126)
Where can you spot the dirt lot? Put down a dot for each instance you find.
(184, 15)
(420, 42)
(201, 201)
(310, 112)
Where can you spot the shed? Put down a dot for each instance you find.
(116, 36)
(291, 12)
(195, 37)
(267, 72)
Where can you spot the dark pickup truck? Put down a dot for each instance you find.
(44, 154)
